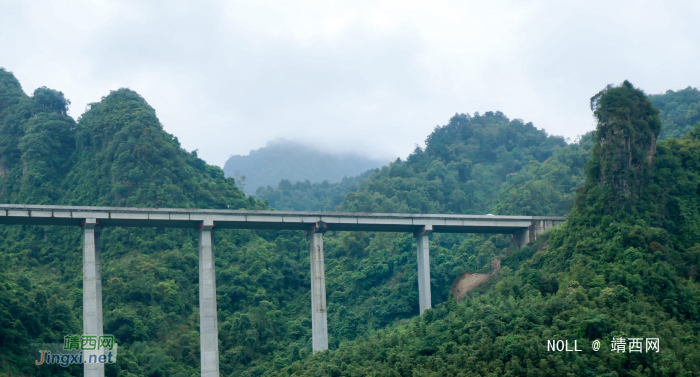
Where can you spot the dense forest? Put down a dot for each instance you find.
(307, 196)
(460, 170)
(680, 110)
(625, 264)
(547, 185)
(118, 154)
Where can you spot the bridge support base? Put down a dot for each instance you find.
(92, 293)
(521, 238)
(208, 327)
(319, 319)
(422, 240)
(528, 236)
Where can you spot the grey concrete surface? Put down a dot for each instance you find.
(527, 236)
(319, 319)
(423, 254)
(208, 324)
(235, 219)
(92, 293)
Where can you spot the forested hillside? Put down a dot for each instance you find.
(586, 282)
(118, 154)
(680, 110)
(463, 165)
(625, 265)
(307, 196)
(460, 171)
(533, 186)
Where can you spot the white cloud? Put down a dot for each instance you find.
(374, 77)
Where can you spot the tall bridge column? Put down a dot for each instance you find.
(319, 319)
(92, 292)
(422, 240)
(208, 327)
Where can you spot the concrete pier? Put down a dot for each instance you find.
(319, 319)
(422, 240)
(98, 279)
(521, 238)
(527, 236)
(92, 292)
(208, 326)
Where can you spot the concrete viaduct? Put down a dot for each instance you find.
(523, 228)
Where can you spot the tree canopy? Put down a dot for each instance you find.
(624, 149)
(608, 272)
(625, 264)
(680, 110)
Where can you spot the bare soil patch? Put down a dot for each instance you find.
(469, 281)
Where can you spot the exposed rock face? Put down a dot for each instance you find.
(627, 131)
(466, 283)
(469, 281)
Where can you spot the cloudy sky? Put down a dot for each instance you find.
(373, 77)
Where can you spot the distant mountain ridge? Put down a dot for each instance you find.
(285, 159)
(680, 110)
(548, 186)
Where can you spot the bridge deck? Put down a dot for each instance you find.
(238, 219)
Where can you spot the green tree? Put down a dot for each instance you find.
(608, 272)
(461, 169)
(680, 110)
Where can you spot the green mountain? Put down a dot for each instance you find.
(546, 188)
(460, 171)
(463, 165)
(606, 273)
(624, 266)
(533, 186)
(284, 159)
(118, 154)
(680, 110)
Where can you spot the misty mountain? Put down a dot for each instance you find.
(625, 262)
(284, 159)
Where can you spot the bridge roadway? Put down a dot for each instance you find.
(92, 219)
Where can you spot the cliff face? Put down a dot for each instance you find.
(626, 137)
